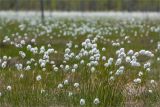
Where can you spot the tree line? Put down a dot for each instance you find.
(82, 5)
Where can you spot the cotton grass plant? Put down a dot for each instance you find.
(76, 62)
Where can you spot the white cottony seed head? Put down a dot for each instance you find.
(9, 88)
(38, 78)
(96, 101)
(82, 102)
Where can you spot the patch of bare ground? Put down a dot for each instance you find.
(5, 105)
(132, 90)
(139, 103)
(13, 61)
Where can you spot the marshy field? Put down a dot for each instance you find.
(79, 59)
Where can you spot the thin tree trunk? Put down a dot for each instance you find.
(42, 10)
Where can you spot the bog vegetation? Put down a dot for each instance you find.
(80, 61)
